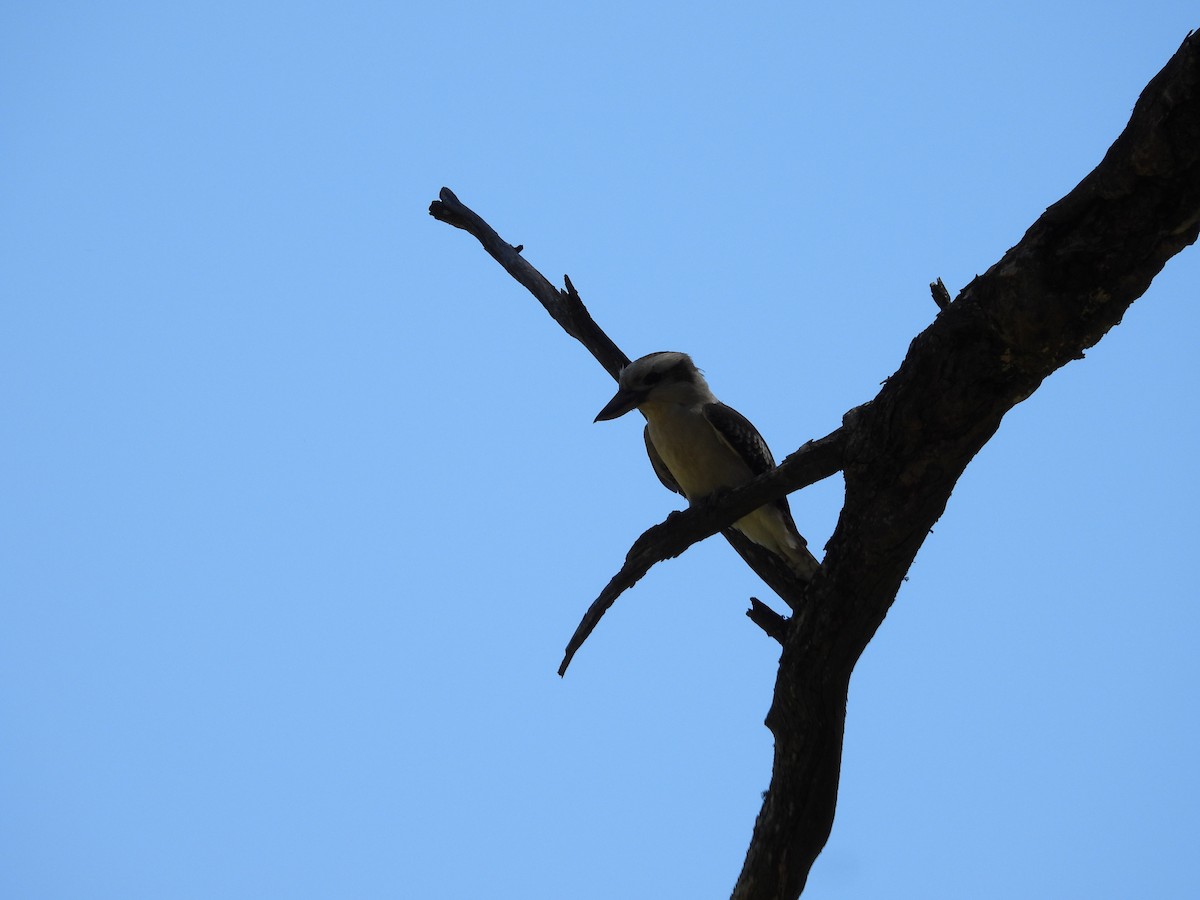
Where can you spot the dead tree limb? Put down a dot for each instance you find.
(808, 465)
(1056, 293)
(564, 306)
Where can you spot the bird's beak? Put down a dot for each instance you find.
(622, 402)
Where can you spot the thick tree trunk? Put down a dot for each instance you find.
(1052, 296)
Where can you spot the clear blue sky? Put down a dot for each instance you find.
(302, 496)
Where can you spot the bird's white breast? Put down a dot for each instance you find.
(695, 453)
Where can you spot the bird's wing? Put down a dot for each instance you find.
(660, 467)
(740, 433)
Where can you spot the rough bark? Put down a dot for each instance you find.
(1052, 296)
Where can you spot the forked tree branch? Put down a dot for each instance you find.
(1056, 293)
(811, 463)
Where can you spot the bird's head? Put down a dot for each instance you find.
(664, 377)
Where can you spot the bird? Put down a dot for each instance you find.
(698, 446)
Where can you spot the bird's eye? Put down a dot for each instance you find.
(652, 378)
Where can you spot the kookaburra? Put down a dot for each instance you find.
(698, 445)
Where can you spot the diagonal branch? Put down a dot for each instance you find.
(811, 463)
(775, 625)
(565, 307)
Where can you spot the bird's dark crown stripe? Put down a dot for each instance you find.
(681, 371)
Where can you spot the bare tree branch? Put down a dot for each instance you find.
(565, 307)
(775, 625)
(811, 463)
(941, 296)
